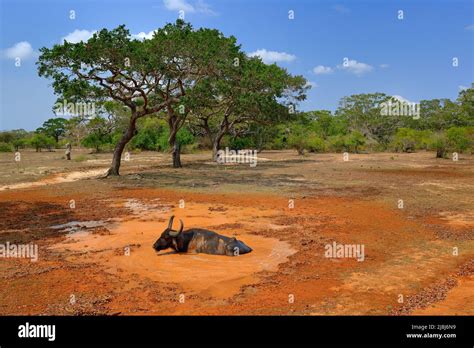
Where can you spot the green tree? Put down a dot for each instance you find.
(151, 132)
(438, 115)
(466, 106)
(76, 129)
(439, 143)
(5, 147)
(363, 113)
(253, 93)
(405, 140)
(302, 138)
(41, 141)
(298, 138)
(355, 140)
(458, 138)
(99, 133)
(214, 56)
(145, 76)
(17, 138)
(410, 140)
(54, 128)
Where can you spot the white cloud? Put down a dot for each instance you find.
(311, 84)
(178, 5)
(183, 5)
(401, 99)
(142, 35)
(78, 36)
(323, 70)
(355, 67)
(470, 27)
(384, 66)
(341, 9)
(272, 56)
(203, 7)
(22, 50)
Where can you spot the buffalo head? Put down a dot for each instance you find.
(168, 236)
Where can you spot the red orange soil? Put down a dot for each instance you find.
(286, 274)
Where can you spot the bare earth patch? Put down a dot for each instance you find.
(82, 251)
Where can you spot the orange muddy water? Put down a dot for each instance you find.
(127, 249)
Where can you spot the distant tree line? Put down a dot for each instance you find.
(186, 89)
(356, 126)
(359, 124)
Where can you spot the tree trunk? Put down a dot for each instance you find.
(174, 145)
(174, 124)
(215, 148)
(260, 143)
(440, 153)
(216, 145)
(117, 158)
(176, 155)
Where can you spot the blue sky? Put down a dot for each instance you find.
(410, 57)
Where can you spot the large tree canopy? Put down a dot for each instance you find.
(363, 112)
(54, 128)
(255, 93)
(146, 76)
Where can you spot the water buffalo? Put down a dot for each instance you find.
(198, 240)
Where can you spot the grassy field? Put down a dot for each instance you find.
(413, 213)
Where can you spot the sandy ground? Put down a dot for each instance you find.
(95, 235)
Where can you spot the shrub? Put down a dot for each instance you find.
(5, 147)
(298, 138)
(404, 140)
(354, 141)
(239, 143)
(40, 141)
(470, 135)
(149, 132)
(410, 140)
(183, 137)
(20, 143)
(145, 140)
(439, 143)
(316, 144)
(280, 140)
(95, 140)
(80, 158)
(458, 138)
(337, 143)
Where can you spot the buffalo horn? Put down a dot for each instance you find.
(170, 224)
(176, 233)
